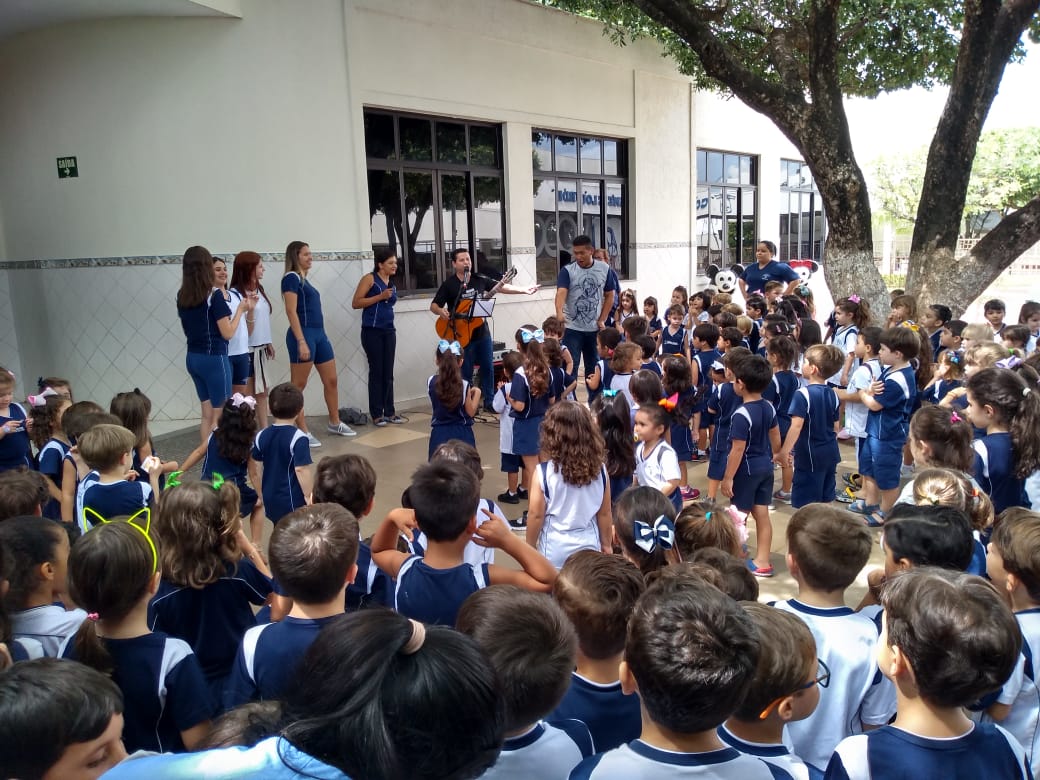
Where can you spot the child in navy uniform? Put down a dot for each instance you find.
(673, 340)
(284, 451)
(597, 593)
(442, 500)
(211, 574)
(52, 443)
(453, 401)
(782, 354)
(313, 558)
(786, 688)
(811, 439)
(827, 549)
(510, 462)
(599, 377)
(38, 550)
(754, 437)
(723, 402)
(531, 646)
(114, 572)
(455, 451)
(531, 393)
(107, 450)
(948, 640)
(690, 654)
(350, 481)
(15, 449)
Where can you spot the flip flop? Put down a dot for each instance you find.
(861, 507)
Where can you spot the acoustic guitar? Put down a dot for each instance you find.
(460, 326)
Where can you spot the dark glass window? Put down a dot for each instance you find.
(434, 185)
(568, 204)
(726, 206)
(802, 222)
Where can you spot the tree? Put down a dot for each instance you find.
(795, 61)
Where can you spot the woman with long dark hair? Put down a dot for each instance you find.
(246, 279)
(375, 296)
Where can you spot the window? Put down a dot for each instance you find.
(802, 224)
(580, 187)
(435, 184)
(727, 223)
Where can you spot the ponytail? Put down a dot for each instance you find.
(1018, 406)
(448, 384)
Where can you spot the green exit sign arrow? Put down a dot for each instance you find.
(68, 168)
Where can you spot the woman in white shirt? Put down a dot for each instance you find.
(246, 277)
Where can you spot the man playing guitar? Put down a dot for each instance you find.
(454, 301)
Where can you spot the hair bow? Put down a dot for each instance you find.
(670, 402)
(955, 358)
(955, 418)
(707, 516)
(140, 520)
(608, 393)
(527, 336)
(854, 299)
(453, 346)
(1009, 362)
(803, 290)
(41, 399)
(217, 480)
(173, 479)
(238, 399)
(661, 534)
(912, 325)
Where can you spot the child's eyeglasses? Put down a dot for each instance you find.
(823, 679)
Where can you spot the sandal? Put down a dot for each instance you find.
(875, 519)
(861, 507)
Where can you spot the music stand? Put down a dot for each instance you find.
(482, 308)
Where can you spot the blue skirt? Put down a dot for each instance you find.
(442, 433)
(525, 435)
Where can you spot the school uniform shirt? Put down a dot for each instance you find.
(937, 347)
(673, 343)
(164, 690)
(472, 553)
(654, 324)
(505, 420)
(856, 411)
(780, 392)
(845, 339)
(995, 471)
(199, 324)
(282, 447)
(570, 514)
(267, 659)
(857, 693)
(272, 759)
(1021, 692)
(774, 755)
(892, 421)
(90, 479)
(620, 383)
(751, 423)
(817, 446)
(612, 717)
(639, 760)
(308, 300)
(238, 344)
(372, 587)
(215, 463)
(937, 391)
(548, 751)
(15, 450)
(212, 619)
(658, 467)
(49, 625)
(51, 460)
(723, 404)
(432, 595)
(443, 415)
(534, 405)
(652, 365)
(889, 753)
(113, 499)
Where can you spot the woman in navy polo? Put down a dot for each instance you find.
(375, 296)
(767, 269)
(208, 323)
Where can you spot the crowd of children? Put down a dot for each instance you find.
(149, 634)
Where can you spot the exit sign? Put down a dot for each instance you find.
(67, 168)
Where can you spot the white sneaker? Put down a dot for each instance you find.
(312, 440)
(906, 471)
(341, 430)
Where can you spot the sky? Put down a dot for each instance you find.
(903, 121)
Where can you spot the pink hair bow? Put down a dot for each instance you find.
(238, 399)
(854, 298)
(41, 398)
(955, 418)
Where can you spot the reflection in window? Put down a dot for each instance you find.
(802, 222)
(727, 224)
(566, 206)
(422, 209)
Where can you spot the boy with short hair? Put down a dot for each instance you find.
(704, 339)
(933, 319)
(729, 338)
(531, 646)
(889, 400)
(673, 339)
(58, 720)
(948, 640)
(754, 438)
(993, 310)
(458, 451)
(313, 554)
(771, 292)
(722, 402)
(867, 345)
(1016, 337)
(690, 654)
(350, 481)
(827, 549)
(108, 450)
(649, 347)
(951, 335)
(441, 502)
(811, 439)
(1013, 565)
(597, 593)
(786, 688)
(510, 463)
(22, 492)
(284, 455)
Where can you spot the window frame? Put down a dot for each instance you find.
(787, 238)
(727, 186)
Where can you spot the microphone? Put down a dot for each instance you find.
(465, 278)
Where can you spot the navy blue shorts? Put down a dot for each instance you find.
(525, 435)
(317, 342)
(511, 462)
(241, 368)
(443, 433)
(211, 375)
(717, 464)
(812, 487)
(881, 461)
(247, 501)
(751, 490)
(682, 442)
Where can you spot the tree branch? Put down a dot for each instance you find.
(1015, 234)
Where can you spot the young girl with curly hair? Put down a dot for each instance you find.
(211, 574)
(52, 445)
(569, 508)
